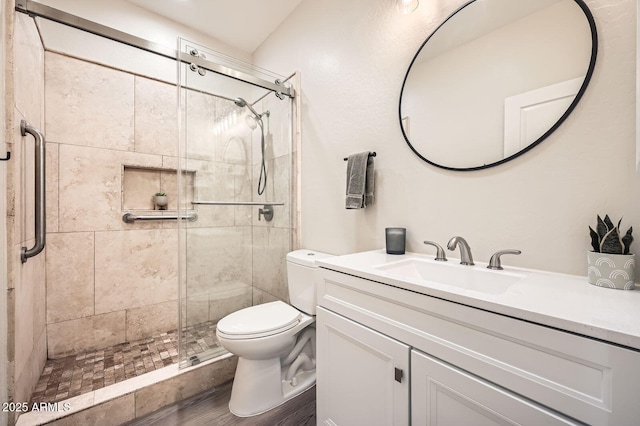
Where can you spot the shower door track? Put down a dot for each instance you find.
(34, 9)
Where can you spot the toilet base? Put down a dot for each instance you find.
(260, 386)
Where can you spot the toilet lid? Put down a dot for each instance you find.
(259, 319)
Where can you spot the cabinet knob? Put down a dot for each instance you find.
(398, 375)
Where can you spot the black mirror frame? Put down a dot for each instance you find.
(583, 88)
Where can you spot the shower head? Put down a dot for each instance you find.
(251, 121)
(242, 103)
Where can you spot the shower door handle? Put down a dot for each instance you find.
(40, 208)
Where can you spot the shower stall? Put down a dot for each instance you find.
(126, 287)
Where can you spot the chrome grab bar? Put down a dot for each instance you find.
(130, 217)
(40, 187)
(237, 203)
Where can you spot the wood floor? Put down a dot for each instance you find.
(211, 408)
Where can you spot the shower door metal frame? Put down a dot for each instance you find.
(35, 9)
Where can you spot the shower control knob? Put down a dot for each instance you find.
(267, 212)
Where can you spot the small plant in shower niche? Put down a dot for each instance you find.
(160, 201)
(610, 263)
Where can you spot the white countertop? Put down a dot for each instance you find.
(566, 302)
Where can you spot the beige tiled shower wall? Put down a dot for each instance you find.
(235, 260)
(110, 131)
(107, 281)
(26, 282)
(272, 240)
(5, 106)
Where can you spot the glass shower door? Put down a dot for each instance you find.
(234, 137)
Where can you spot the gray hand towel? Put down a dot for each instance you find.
(359, 181)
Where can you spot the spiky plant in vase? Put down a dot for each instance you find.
(610, 263)
(160, 200)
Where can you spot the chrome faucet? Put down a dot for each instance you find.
(465, 250)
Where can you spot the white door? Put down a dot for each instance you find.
(527, 116)
(362, 375)
(444, 395)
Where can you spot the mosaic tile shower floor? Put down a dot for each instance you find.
(85, 372)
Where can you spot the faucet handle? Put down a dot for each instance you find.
(494, 262)
(440, 256)
(267, 212)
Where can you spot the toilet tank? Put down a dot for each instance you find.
(302, 277)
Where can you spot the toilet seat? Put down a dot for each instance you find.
(259, 321)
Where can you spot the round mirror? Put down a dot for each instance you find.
(495, 79)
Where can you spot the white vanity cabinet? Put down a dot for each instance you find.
(460, 365)
(444, 395)
(364, 381)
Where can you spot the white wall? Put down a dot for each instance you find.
(352, 57)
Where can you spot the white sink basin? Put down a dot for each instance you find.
(475, 278)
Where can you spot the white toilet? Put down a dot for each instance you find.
(275, 342)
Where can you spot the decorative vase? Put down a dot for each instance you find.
(611, 270)
(161, 201)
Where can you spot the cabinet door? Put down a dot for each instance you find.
(362, 375)
(445, 395)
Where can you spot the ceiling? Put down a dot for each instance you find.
(244, 24)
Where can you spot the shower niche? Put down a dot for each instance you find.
(139, 184)
(236, 138)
